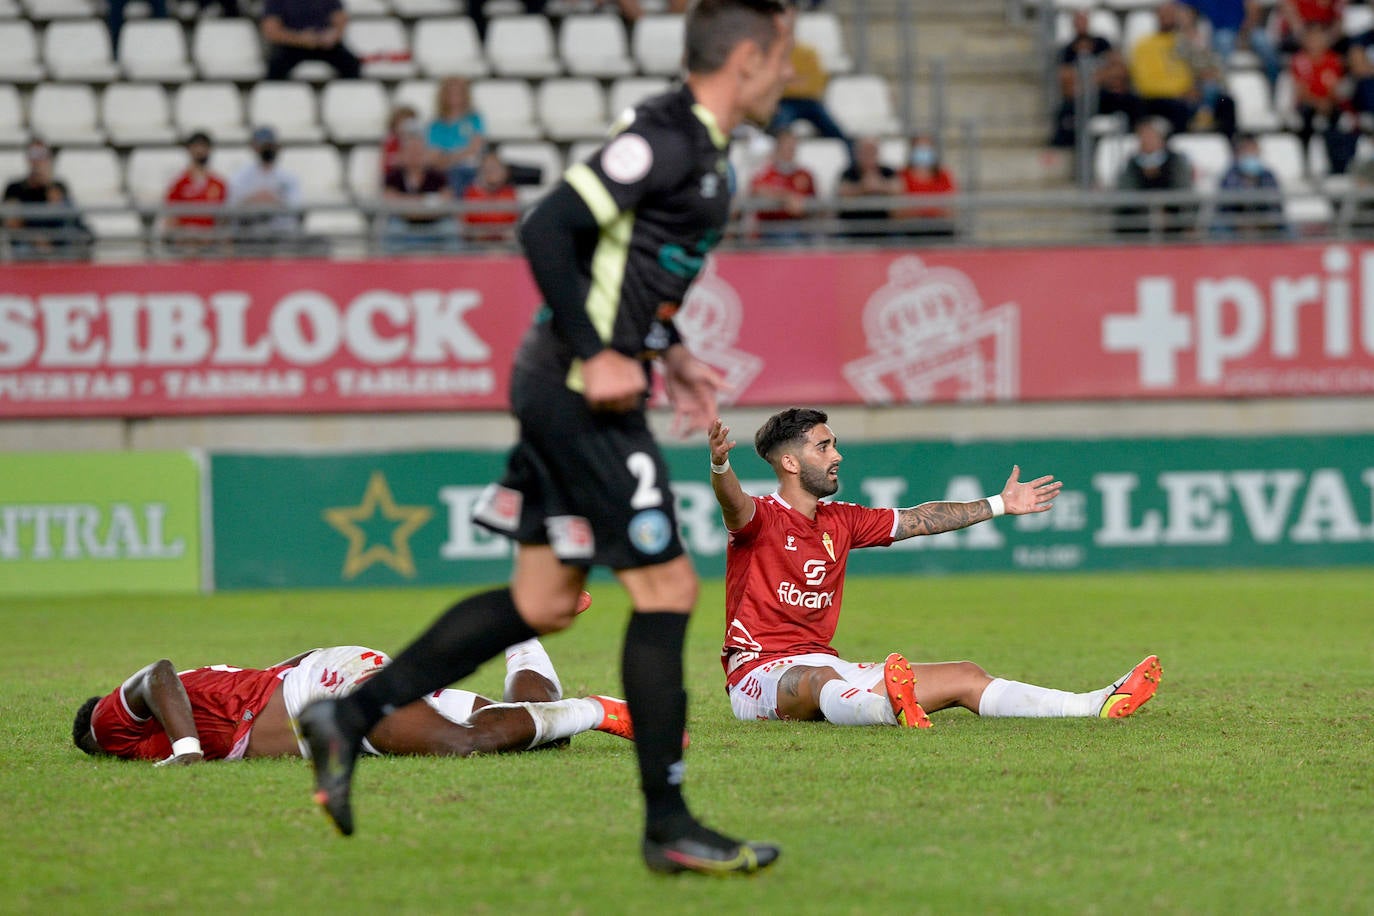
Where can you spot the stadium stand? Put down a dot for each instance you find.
(136, 113)
(19, 59)
(228, 49)
(507, 107)
(449, 47)
(522, 46)
(571, 108)
(862, 103)
(595, 45)
(78, 50)
(287, 106)
(216, 108)
(657, 44)
(154, 49)
(821, 30)
(65, 114)
(353, 111)
(13, 131)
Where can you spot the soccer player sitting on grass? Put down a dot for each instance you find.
(784, 579)
(225, 713)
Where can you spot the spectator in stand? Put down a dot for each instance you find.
(1111, 79)
(1318, 72)
(420, 199)
(199, 187)
(479, 16)
(1254, 218)
(271, 196)
(300, 30)
(867, 177)
(1360, 68)
(391, 143)
(58, 231)
(1155, 167)
(1215, 110)
(786, 187)
(157, 9)
(923, 175)
(1161, 73)
(1294, 16)
(803, 98)
(1239, 24)
(456, 135)
(493, 185)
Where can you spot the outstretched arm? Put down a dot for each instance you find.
(157, 691)
(1017, 497)
(736, 506)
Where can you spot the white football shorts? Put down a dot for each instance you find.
(756, 695)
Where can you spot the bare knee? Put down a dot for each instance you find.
(671, 586)
(799, 692)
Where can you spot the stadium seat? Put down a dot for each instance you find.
(383, 45)
(1103, 23)
(95, 179)
(1356, 20)
(228, 49)
(748, 154)
(79, 50)
(1283, 153)
(862, 104)
(364, 173)
(10, 9)
(216, 108)
(629, 91)
(65, 114)
(595, 44)
(12, 129)
(418, 94)
(19, 61)
(1255, 112)
(288, 107)
(1209, 154)
(1138, 24)
(1110, 156)
(522, 46)
(44, 10)
(507, 107)
(367, 7)
(821, 30)
(572, 108)
(541, 155)
(13, 164)
(320, 170)
(136, 113)
(150, 171)
(354, 111)
(421, 9)
(228, 161)
(825, 158)
(894, 152)
(449, 47)
(154, 49)
(657, 44)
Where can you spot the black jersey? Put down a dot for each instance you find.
(660, 192)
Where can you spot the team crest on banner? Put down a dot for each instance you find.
(709, 322)
(930, 338)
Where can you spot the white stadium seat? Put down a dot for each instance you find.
(572, 108)
(79, 49)
(541, 155)
(383, 45)
(1209, 154)
(19, 61)
(364, 173)
(449, 47)
(1110, 156)
(1255, 112)
(595, 45)
(367, 7)
(522, 46)
(288, 107)
(154, 49)
(420, 9)
(12, 129)
(1138, 24)
(418, 94)
(862, 104)
(1103, 23)
(63, 114)
(95, 179)
(44, 10)
(507, 107)
(228, 49)
(150, 171)
(320, 170)
(354, 111)
(629, 91)
(216, 108)
(136, 113)
(657, 44)
(825, 158)
(821, 30)
(1283, 154)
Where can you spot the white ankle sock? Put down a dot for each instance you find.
(1013, 698)
(844, 704)
(559, 719)
(530, 656)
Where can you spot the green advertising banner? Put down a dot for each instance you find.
(84, 522)
(406, 518)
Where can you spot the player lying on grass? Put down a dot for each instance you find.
(225, 713)
(784, 580)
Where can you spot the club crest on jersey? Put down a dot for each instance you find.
(650, 531)
(791, 542)
(828, 544)
(627, 158)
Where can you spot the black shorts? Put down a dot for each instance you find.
(593, 486)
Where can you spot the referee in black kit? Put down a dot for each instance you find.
(613, 249)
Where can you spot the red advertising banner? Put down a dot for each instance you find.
(831, 328)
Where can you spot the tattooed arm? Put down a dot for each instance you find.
(1017, 497)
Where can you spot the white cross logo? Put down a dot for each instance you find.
(1155, 332)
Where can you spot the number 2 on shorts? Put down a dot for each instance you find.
(647, 494)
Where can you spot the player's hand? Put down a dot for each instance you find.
(1023, 498)
(181, 760)
(613, 381)
(718, 435)
(692, 386)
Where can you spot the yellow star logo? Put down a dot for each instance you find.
(345, 520)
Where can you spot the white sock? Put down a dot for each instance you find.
(530, 656)
(844, 704)
(561, 718)
(1013, 698)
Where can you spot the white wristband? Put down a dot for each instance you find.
(997, 505)
(720, 468)
(186, 746)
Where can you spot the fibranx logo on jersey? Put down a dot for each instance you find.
(793, 595)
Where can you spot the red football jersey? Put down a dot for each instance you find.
(770, 178)
(224, 701)
(784, 578)
(190, 189)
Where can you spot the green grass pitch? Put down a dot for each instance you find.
(1245, 786)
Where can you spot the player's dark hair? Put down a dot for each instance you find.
(786, 428)
(715, 27)
(81, 728)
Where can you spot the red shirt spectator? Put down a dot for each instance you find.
(784, 181)
(1316, 71)
(925, 175)
(493, 184)
(197, 185)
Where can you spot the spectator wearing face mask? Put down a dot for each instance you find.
(1252, 218)
(925, 174)
(198, 187)
(271, 195)
(1155, 167)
